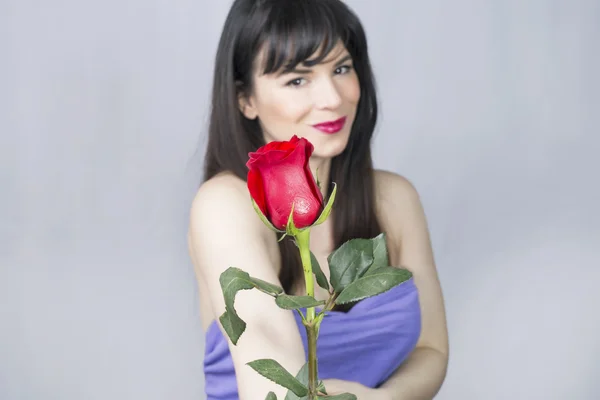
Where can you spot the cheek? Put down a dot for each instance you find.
(281, 107)
(352, 90)
(280, 112)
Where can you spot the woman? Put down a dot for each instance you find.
(286, 67)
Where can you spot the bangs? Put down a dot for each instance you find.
(299, 30)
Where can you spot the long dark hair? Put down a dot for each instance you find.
(291, 31)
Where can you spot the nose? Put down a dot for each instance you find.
(327, 95)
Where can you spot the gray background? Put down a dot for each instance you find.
(489, 107)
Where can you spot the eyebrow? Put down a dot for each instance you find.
(348, 57)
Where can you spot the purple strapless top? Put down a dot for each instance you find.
(378, 332)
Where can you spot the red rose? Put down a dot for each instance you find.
(279, 177)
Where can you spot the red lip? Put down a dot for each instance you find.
(331, 126)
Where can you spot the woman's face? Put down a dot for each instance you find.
(318, 103)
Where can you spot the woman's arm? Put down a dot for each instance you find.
(226, 232)
(422, 374)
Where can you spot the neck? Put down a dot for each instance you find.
(321, 168)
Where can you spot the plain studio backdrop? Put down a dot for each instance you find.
(491, 108)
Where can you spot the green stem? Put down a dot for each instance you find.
(311, 333)
(303, 240)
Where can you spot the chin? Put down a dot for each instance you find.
(330, 147)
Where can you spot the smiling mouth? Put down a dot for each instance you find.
(331, 126)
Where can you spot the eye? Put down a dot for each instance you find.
(295, 82)
(344, 69)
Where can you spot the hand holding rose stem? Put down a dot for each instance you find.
(288, 200)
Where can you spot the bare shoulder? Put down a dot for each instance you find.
(219, 194)
(394, 188)
(223, 203)
(397, 201)
(222, 215)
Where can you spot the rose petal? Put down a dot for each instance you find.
(273, 157)
(257, 190)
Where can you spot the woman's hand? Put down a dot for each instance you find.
(338, 386)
